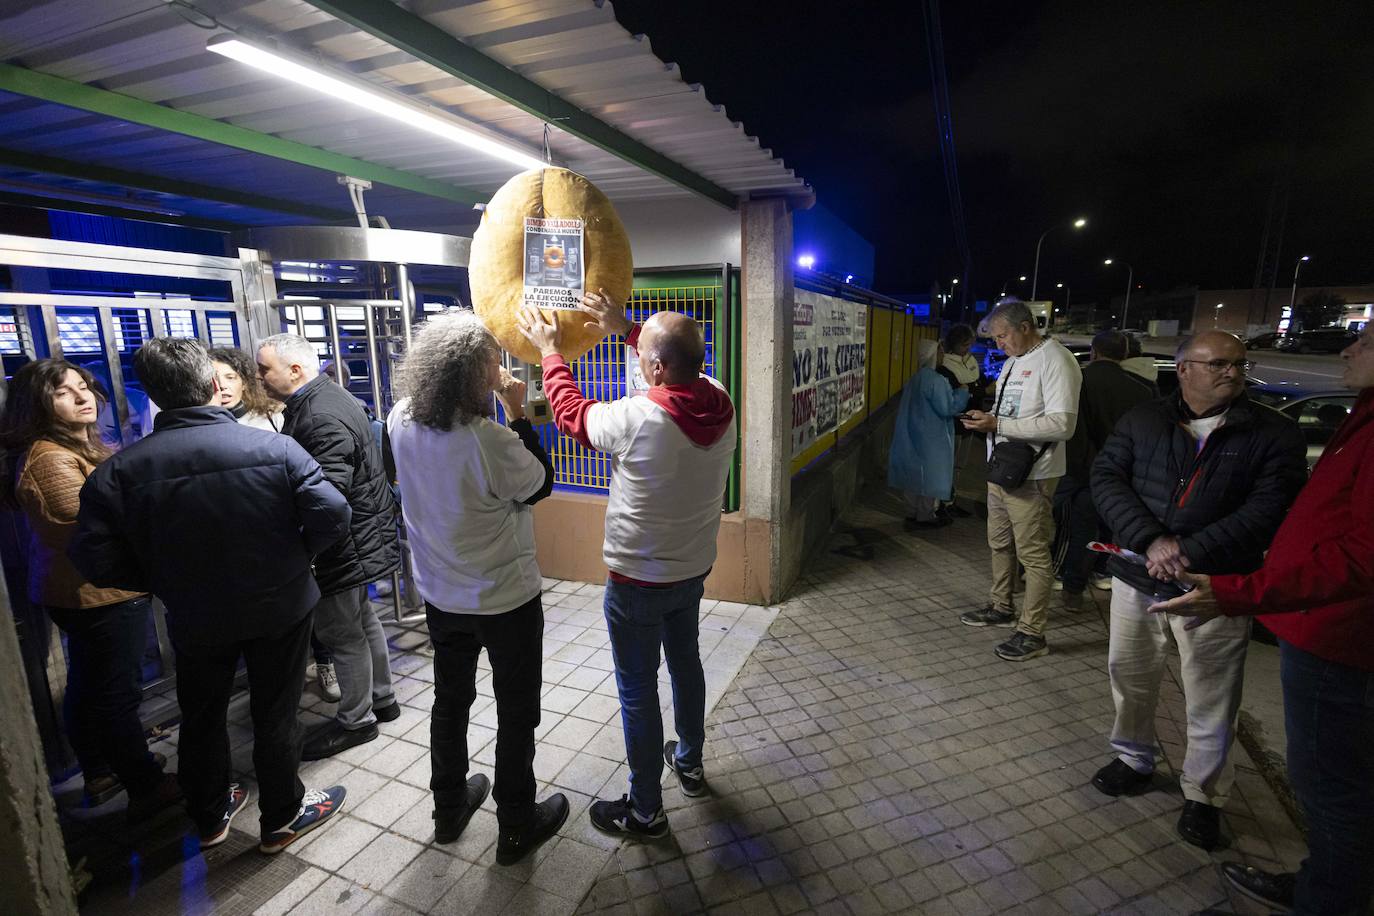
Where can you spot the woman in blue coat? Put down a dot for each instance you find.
(921, 461)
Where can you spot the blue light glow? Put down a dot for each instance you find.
(807, 260)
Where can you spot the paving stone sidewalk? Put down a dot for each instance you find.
(875, 756)
(866, 754)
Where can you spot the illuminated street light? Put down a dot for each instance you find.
(807, 260)
(1216, 314)
(1035, 281)
(1130, 281)
(1293, 299)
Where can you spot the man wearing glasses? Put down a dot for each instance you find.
(1195, 482)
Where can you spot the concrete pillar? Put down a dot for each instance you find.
(766, 284)
(33, 862)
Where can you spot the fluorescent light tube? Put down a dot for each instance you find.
(374, 99)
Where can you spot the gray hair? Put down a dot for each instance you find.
(176, 372)
(295, 350)
(444, 372)
(1012, 311)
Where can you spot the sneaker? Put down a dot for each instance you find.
(329, 682)
(988, 617)
(620, 818)
(332, 738)
(238, 797)
(165, 792)
(1120, 778)
(1023, 646)
(1102, 583)
(312, 673)
(449, 820)
(693, 781)
(382, 587)
(1273, 889)
(100, 789)
(513, 844)
(1057, 585)
(317, 807)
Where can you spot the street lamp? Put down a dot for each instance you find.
(1068, 295)
(1130, 279)
(1020, 279)
(1293, 299)
(1216, 315)
(1077, 224)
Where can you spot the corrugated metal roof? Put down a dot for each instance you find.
(155, 51)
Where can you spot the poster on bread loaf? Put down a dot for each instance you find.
(553, 263)
(829, 336)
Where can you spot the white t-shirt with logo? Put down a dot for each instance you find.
(1044, 381)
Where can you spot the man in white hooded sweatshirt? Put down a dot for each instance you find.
(671, 447)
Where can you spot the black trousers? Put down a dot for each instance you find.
(1077, 523)
(514, 644)
(104, 687)
(205, 680)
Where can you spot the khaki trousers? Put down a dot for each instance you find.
(1213, 669)
(1020, 528)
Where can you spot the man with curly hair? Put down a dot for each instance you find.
(467, 485)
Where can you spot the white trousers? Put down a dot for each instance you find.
(1213, 668)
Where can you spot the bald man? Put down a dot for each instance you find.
(1198, 481)
(672, 447)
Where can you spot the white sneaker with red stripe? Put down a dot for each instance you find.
(318, 806)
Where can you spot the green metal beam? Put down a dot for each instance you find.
(23, 81)
(403, 29)
(51, 165)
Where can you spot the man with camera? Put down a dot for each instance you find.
(1034, 413)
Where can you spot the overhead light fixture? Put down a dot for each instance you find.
(372, 98)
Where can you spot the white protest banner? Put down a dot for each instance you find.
(828, 359)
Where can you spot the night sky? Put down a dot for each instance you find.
(1165, 124)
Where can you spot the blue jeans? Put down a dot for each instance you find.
(641, 619)
(1329, 713)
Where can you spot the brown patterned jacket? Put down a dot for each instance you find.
(48, 489)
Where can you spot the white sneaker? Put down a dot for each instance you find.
(1102, 583)
(311, 672)
(382, 587)
(329, 683)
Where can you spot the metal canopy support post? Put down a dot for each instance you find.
(407, 31)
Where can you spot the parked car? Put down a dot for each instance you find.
(1318, 417)
(1265, 341)
(1317, 340)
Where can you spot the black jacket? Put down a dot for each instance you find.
(218, 519)
(1108, 394)
(1224, 504)
(333, 427)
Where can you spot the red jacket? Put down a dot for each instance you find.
(1316, 588)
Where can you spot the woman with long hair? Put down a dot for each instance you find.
(467, 485)
(50, 443)
(241, 392)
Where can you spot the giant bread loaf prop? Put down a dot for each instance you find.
(499, 258)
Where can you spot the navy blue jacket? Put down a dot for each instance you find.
(219, 520)
(333, 427)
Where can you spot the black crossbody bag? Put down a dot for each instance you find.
(1010, 462)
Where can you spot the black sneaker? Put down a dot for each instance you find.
(512, 845)
(450, 821)
(693, 781)
(317, 806)
(332, 738)
(238, 797)
(619, 817)
(988, 617)
(1120, 778)
(1022, 646)
(1273, 889)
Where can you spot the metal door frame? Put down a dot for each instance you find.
(251, 287)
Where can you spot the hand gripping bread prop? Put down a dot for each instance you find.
(545, 236)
